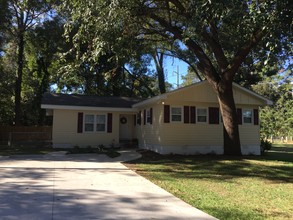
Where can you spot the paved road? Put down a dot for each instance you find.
(83, 187)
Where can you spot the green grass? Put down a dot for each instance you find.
(254, 187)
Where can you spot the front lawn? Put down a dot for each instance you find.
(254, 187)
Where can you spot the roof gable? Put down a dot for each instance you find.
(203, 92)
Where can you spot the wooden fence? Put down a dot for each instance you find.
(10, 135)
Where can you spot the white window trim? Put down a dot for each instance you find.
(207, 115)
(95, 123)
(171, 114)
(243, 122)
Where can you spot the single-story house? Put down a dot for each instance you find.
(184, 121)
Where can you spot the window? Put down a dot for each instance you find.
(100, 123)
(148, 116)
(95, 123)
(89, 123)
(247, 116)
(176, 114)
(201, 114)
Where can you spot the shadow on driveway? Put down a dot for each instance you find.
(83, 187)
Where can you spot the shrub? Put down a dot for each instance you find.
(265, 145)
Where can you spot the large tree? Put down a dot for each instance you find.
(24, 15)
(219, 34)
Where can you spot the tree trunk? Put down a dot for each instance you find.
(229, 114)
(159, 58)
(18, 82)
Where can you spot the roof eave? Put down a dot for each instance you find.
(87, 108)
(150, 101)
(266, 101)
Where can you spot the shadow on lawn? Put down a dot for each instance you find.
(222, 167)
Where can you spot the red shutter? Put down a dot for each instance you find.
(79, 122)
(186, 114)
(239, 116)
(166, 113)
(144, 117)
(255, 116)
(151, 115)
(213, 115)
(192, 115)
(109, 123)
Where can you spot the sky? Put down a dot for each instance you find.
(174, 69)
(171, 67)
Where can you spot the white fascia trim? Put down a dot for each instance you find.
(267, 101)
(87, 108)
(150, 101)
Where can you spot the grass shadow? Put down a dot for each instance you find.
(222, 167)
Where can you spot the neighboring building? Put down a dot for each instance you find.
(183, 121)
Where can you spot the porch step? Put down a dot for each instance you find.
(126, 143)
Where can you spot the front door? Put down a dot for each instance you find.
(126, 127)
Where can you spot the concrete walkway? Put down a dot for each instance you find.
(59, 186)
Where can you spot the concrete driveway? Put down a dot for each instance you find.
(83, 187)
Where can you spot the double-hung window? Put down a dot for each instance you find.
(176, 114)
(95, 123)
(148, 116)
(89, 122)
(202, 115)
(247, 116)
(100, 123)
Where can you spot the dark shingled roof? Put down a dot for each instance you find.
(88, 100)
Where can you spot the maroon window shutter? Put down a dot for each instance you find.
(79, 122)
(213, 115)
(255, 116)
(144, 116)
(192, 115)
(166, 113)
(186, 114)
(239, 116)
(109, 123)
(151, 115)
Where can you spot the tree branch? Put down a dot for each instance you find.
(178, 5)
(205, 65)
(242, 54)
(215, 47)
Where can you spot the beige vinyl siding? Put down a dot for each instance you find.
(204, 93)
(65, 130)
(149, 134)
(192, 134)
(199, 134)
(179, 134)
